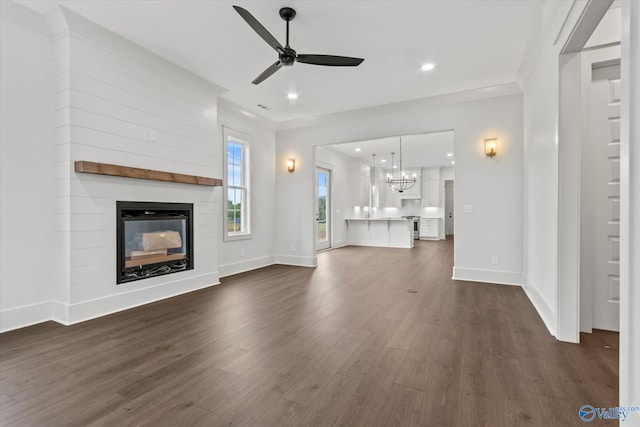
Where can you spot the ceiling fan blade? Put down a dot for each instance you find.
(330, 60)
(268, 72)
(259, 28)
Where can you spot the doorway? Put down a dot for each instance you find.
(576, 64)
(323, 209)
(600, 199)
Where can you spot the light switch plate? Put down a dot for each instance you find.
(468, 208)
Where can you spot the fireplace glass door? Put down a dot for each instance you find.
(154, 239)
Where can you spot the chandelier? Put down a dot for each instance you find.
(402, 182)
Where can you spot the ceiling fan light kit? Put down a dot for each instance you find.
(286, 55)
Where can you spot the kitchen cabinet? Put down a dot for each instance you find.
(381, 232)
(390, 199)
(361, 184)
(431, 187)
(379, 195)
(376, 184)
(429, 228)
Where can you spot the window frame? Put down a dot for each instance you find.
(234, 137)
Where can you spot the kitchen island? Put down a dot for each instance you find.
(382, 232)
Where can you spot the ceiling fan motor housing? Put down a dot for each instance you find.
(288, 57)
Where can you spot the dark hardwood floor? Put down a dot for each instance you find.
(344, 344)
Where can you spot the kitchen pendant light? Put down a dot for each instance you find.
(403, 182)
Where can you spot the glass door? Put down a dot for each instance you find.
(323, 209)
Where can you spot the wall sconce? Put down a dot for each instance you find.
(291, 165)
(490, 146)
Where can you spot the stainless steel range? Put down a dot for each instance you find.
(416, 225)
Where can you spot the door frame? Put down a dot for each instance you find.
(328, 213)
(600, 57)
(571, 131)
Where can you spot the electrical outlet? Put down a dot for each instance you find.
(293, 247)
(495, 260)
(153, 135)
(242, 253)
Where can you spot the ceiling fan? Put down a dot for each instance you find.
(286, 55)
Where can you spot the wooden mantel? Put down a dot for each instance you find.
(82, 166)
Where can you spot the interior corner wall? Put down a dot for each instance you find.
(493, 186)
(258, 251)
(26, 170)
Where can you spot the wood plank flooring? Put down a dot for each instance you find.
(343, 344)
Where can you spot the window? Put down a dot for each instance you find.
(237, 225)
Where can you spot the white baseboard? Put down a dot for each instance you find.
(60, 312)
(20, 317)
(374, 245)
(546, 313)
(247, 265)
(339, 244)
(87, 310)
(488, 276)
(299, 261)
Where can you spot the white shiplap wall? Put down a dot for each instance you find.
(118, 103)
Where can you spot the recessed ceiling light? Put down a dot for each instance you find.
(449, 154)
(292, 95)
(357, 149)
(427, 67)
(395, 166)
(383, 160)
(453, 163)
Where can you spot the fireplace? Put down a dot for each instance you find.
(153, 239)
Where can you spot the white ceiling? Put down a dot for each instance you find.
(474, 44)
(423, 150)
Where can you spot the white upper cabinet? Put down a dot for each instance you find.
(378, 194)
(431, 174)
(360, 184)
(431, 187)
(390, 199)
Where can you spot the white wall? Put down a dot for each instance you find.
(341, 168)
(493, 186)
(26, 169)
(258, 251)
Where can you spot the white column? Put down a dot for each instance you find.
(630, 211)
